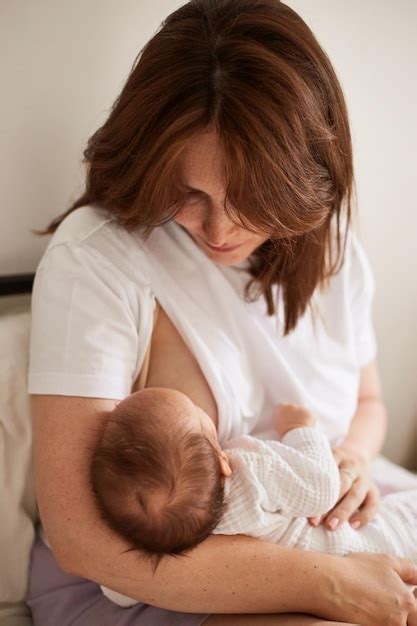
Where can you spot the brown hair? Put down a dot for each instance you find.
(253, 71)
(162, 494)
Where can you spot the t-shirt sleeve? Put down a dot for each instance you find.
(362, 290)
(86, 319)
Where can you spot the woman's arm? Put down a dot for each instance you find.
(223, 574)
(214, 578)
(354, 455)
(369, 424)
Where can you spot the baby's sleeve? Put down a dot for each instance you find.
(272, 481)
(118, 598)
(361, 289)
(86, 320)
(299, 475)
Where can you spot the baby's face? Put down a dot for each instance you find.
(169, 406)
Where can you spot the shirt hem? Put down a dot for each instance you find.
(74, 385)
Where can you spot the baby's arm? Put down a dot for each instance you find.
(300, 474)
(311, 476)
(297, 476)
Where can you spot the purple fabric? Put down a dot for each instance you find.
(56, 598)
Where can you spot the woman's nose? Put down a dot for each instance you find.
(218, 228)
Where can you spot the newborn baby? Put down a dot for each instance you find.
(157, 472)
(163, 482)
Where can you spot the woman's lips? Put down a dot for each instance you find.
(222, 248)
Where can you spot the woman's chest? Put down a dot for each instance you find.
(315, 365)
(172, 364)
(232, 360)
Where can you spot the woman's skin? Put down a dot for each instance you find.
(223, 575)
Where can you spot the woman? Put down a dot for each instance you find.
(231, 132)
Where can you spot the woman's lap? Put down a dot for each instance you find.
(391, 477)
(55, 597)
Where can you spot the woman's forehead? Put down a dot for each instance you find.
(202, 165)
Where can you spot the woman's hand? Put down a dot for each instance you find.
(359, 496)
(370, 589)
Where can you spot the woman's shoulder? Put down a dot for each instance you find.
(91, 311)
(81, 225)
(91, 236)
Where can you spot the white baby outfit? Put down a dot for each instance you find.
(92, 312)
(276, 485)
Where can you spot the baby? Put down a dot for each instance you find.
(163, 482)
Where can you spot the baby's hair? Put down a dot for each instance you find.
(161, 491)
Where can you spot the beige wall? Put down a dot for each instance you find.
(63, 63)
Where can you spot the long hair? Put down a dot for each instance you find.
(253, 71)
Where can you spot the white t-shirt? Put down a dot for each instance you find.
(92, 312)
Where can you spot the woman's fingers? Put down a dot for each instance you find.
(348, 475)
(358, 496)
(412, 616)
(406, 570)
(359, 506)
(368, 508)
(347, 505)
(408, 574)
(315, 521)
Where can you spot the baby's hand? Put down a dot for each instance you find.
(289, 416)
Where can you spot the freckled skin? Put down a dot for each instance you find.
(203, 216)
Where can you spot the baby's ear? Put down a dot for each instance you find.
(226, 470)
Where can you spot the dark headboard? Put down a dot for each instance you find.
(14, 284)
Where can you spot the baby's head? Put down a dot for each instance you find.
(157, 472)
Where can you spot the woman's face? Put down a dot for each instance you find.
(203, 215)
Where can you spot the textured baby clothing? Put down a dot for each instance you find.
(276, 485)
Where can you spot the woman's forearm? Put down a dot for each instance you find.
(224, 574)
(368, 428)
(232, 574)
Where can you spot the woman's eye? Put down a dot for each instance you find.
(191, 195)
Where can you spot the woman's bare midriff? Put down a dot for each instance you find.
(170, 363)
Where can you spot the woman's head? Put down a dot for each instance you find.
(157, 472)
(202, 213)
(249, 78)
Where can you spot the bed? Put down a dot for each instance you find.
(17, 498)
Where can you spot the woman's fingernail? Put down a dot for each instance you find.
(333, 522)
(355, 524)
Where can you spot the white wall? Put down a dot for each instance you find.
(373, 47)
(62, 64)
